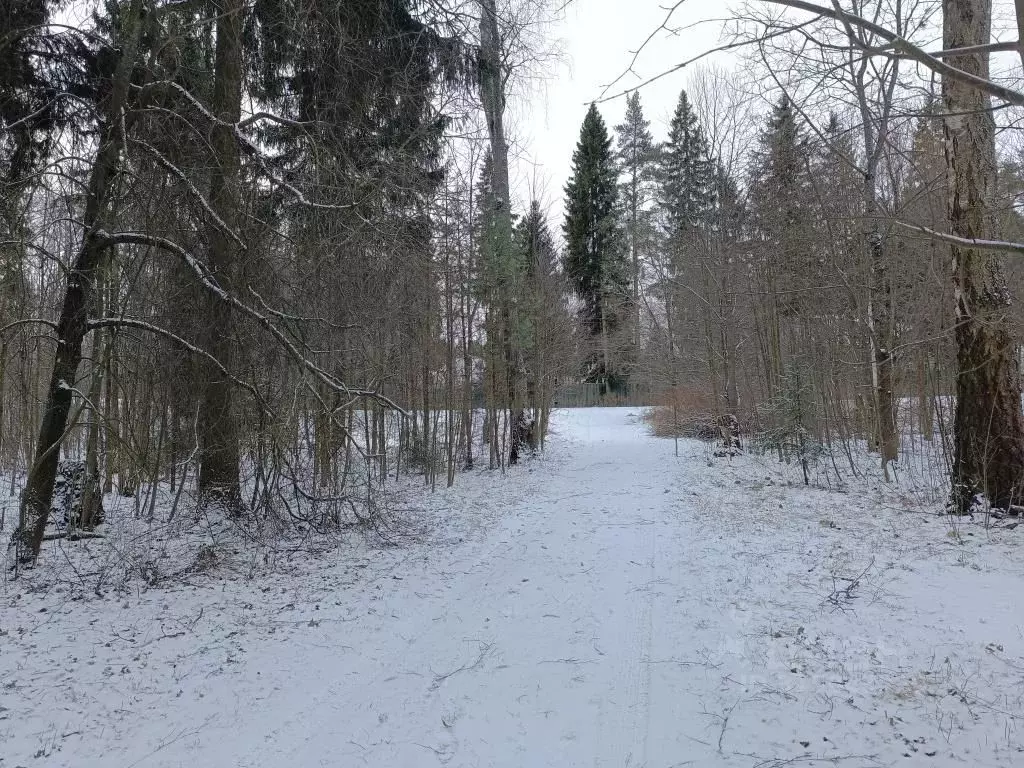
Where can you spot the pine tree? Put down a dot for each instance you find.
(595, 260)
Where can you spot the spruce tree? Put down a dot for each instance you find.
(728, 223)
(534, 237)
(781, 194)
(595, 260)
(541, 314)
(686, 197)
(784, 268)
(780, 186)
(637, 156)
(687, 176)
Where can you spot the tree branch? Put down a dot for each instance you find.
(131, 322)
(28, 321)
(965, 242)
(210, 284)
(203, 202)
(908, 49)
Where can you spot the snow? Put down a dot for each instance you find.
(608, 604)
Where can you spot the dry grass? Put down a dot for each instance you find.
(683, 412)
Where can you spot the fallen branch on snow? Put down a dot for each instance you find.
(841, 597)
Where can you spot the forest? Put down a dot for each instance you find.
(317, 382)
(262, 257)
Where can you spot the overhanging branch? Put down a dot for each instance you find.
(909, 50)
(207, 281)
(965, 242)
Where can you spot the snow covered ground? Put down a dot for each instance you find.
(606, 605)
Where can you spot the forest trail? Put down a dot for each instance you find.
(608, 605)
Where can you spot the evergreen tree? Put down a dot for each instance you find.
(501, 261)
(780, 198)
(483, 218)
(542, 315)
(595, 261)
(686, 198)
(784, 273)
(924, 194)
(779, 182)
(792, 413)
(637, 156)
(922, 275)
(538, 247)
(728, 222)
(837, 187)
(687, 176)
(729, 211)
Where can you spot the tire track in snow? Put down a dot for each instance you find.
(625, 713)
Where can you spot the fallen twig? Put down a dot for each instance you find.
(485, 649)
(842, 596)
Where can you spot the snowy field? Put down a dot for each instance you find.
(608, 604)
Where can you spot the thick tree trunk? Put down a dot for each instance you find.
(72, 324)
(492, 95)
(988, 428)
(218, 427)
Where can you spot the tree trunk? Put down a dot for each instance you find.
(91, 493)
(218, 427)
(634, 218)
(492, 95)
(72, 324)
(988, 429)
(880, 324)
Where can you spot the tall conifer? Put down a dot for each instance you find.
(595, 260)
(637, 156)
(687, 175)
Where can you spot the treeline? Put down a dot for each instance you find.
(246, 252)
(266, 254)
(780, 264)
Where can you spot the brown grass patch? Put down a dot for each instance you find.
(683, 412)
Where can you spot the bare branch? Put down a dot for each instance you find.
(180, 175)
(210, 284)
(130, 322)
(907, 49)
(965, 242)
(28, 321)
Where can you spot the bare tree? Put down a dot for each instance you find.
(82, 278)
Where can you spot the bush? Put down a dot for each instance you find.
(687, 412)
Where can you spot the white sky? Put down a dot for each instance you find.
(598, 39)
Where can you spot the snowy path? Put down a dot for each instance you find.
(612, 606)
